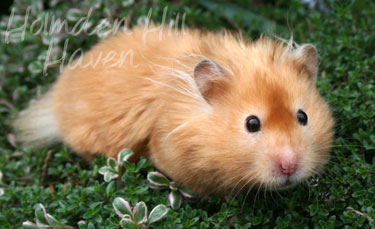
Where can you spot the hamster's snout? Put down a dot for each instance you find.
(288, 165)
(286, 162)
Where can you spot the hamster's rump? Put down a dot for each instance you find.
(186, 101)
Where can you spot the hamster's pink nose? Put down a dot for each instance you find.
(287, 163)
(288, 167)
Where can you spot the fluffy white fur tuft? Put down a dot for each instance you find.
(35, 126)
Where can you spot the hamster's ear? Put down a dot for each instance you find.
(209, 76)
(307, 57)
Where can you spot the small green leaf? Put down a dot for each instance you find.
(44, 219)
(74, 14)
(110, 188)
(173, 186)
(314, 208)
(156, 187)
(128, 224)
(187, 193)
(140, 213)
(29, 225)
(140, 165)
(41, 216)
(36, 6)
(157, 179)
(359, 193)
(54, 222)
(35, 67)
(158, 213)
(111, 163)
(90, 226)
(106, 169)
(124, 155)
(122, 207)
(110, 176)
(127, 3)
(130, 167)
(175, 199)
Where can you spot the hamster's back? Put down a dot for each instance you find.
(109, 99)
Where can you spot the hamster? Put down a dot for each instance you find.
(214, 112)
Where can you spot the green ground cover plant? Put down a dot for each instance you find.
(83, 194)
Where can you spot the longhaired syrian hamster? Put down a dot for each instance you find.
(214, 112)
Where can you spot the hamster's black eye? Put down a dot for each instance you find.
(302, 117)
(253, 123)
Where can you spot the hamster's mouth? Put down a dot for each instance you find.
(286, 184)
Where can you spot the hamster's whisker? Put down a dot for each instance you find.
(237, 183)
(204, 57)
(234, 178)
(247, 193)
(309, 188)
(358, 146)
(239, 190)
(279, 194)
(175, 89)
(178, 62)
(320, 173)
(197, 55)
(194, 92)
(256, 195)
(183, 76)
(273, 198)
(266, 189)
(167, 58)
(175, 130)
(250, 180)
(329, 173)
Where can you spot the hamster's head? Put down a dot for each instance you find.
(267, 126)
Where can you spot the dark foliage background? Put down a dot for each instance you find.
(71, 188)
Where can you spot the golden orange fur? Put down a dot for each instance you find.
(151, 103)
